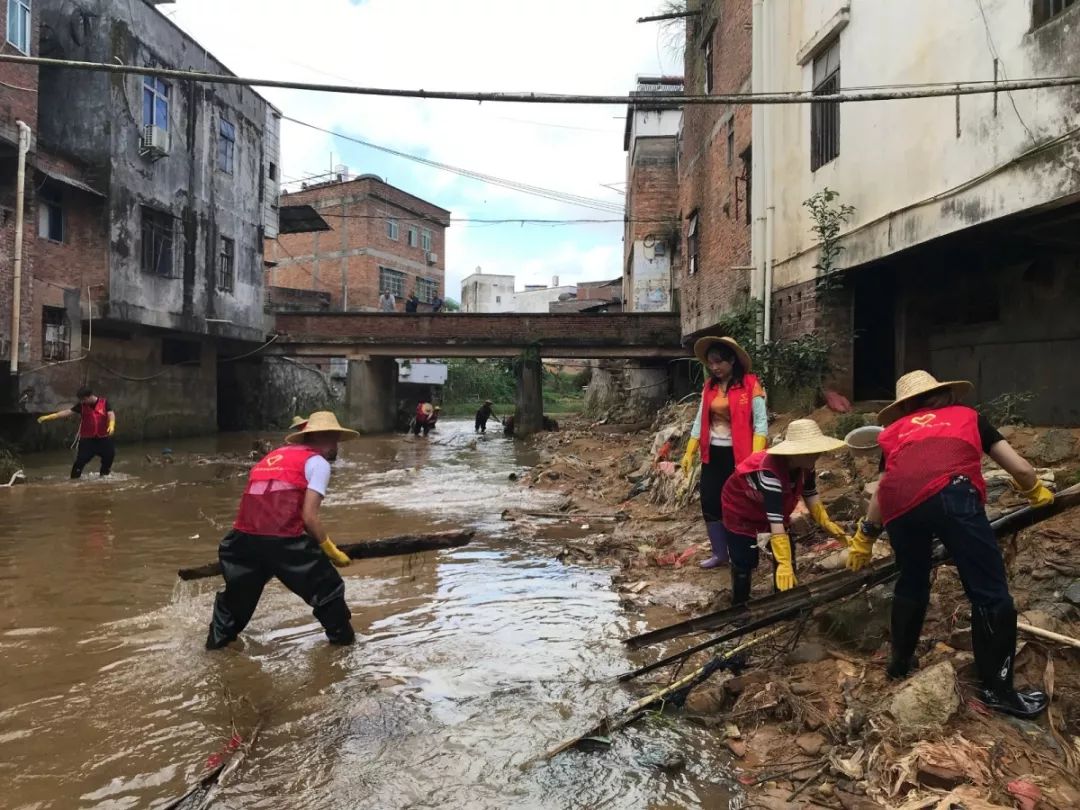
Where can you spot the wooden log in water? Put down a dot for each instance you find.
(383, 547)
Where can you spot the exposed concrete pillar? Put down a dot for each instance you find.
(529, 400)
(371, 395)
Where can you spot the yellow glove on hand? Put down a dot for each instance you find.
(785, 573)
(860, 551)
(111, 429)
(336, 555)
(1037, 496)
(50, 416)
(821, 518)
(687, 462)
(760, 442)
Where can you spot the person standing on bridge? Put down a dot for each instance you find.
(278, 533)
(412, 303)
(732, 416)
(96, 427)
(387, 302)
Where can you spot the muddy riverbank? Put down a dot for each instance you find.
(471, 662)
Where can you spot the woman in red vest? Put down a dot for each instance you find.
(933, 487)
(732, 416)
(97, 423)
(278, 533)
(760, 497)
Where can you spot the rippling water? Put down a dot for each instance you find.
(470, 663)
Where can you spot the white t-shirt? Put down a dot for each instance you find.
(317, 472)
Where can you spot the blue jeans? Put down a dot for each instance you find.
(956, 516)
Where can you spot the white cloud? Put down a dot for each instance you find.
(572, 46)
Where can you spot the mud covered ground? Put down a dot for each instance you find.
(815, 722)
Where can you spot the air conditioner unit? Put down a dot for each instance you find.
(155, 141)
(432, 258)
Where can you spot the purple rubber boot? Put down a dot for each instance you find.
(718, 540)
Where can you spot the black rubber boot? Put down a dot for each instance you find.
(993, 639)
(907, 622)
(741, 581)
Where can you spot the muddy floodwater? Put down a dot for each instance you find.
(468, 665)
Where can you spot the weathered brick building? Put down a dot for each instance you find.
(715, 166)
(381, 238)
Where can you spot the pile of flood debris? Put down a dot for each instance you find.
(821, 725)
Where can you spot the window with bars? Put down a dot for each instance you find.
(226, 152)
(692, 242)
(425, 240)
(50, 215)
(392, 280)
(1045, 10)
(426, 290)
(392, 229)
(825, 117)
(158, 242)
(55, 334)
(227, 265)
(18, 25)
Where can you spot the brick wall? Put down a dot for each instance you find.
(344, 262)
(17, 104)
(713, 177)
(801, 309)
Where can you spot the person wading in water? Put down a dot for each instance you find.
(759, 498)
(96, 428)
(933, 487)
(732, 417)
(278, 533)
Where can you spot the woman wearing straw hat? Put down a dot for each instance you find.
(278, 533)
(732, 417)
(933, 487)
(760, 497)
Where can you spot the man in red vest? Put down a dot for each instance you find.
(278, 533)
(98, 423)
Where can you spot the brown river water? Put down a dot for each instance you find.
(469, 663)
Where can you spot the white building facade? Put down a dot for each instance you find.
(486, 292)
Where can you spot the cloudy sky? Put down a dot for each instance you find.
(565, 46)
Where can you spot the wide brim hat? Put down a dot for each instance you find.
(701, 350)
(322, 422)
(297, 422)
(915, 384)
(803, 437)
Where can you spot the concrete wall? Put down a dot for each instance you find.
(270, 392)
(483, 292)
(533, 301)
(100, 122)
(908, 167)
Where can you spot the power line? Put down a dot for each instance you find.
(844, 95)
(510, 220)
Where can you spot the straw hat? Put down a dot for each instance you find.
(322, 422)
(804, 438)
(297, 422)
(701, 350)
(488, 402)
(916, 383)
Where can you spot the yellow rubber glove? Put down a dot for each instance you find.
(336, 555)
(785, 572)
(1037, 496)
(687, 462)
(860, 551)
(821, 518)
(50, 416)
(760, 442)
(111, 429)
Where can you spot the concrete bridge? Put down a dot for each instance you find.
(371, 341)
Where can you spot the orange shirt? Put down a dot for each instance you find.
(720, 413)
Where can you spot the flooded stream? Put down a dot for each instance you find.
(468, 665)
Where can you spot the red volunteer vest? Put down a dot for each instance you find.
(95, 420)
(423, 416)
(744, 506)
(273, 500)
(740, 404)
(924, 451)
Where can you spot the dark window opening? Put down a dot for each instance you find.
(50, 215)
(55, 334)
(1045, 10)
(226, 265)
(825, 117)
(748, 182)
(180, 352)
(731, 142)
(692, 242)
(158, 242)
(272, 172)
(708, 63)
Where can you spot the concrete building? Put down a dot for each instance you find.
(487, 292)
(651, 238)
(146, 204)
(538, 298)
(962, 253)
(381, 238)
(715, 166)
